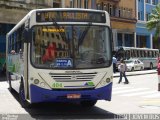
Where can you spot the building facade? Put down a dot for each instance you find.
(88, 4)
(145, 38)
(12, 11)
(123, 20)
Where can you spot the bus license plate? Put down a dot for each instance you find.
(73, 96)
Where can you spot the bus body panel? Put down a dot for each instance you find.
(42, 95)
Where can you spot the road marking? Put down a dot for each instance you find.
(129, 90)
(120, 88)
(139, 93)
(155, 95)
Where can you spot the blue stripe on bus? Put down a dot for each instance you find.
(43, 95)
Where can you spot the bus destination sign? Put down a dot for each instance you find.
(70, 16)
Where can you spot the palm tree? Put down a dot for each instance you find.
(154, 21)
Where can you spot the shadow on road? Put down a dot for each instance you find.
(43, 111)
(2, 76)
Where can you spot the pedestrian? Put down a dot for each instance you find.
(123, 68)
(158, 65)
(114, 63)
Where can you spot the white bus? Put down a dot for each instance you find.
(61, 54)
(147, 55)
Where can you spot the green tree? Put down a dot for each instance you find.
(154, 21)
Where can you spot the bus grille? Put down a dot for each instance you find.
(82, 77)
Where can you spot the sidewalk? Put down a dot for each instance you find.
(136, 73)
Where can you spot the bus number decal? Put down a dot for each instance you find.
(57, 85)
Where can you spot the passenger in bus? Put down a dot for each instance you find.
(49, 54)
(123, 69)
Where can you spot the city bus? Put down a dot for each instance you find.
(61, 55)
(147, 55)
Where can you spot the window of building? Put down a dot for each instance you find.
(71, 3)
(79, 4)
(147, 16)
(140, 14)
(147, 1)
(154, 2)
(98, 7)
(124, 12)
(56, 5)
(111, 9)
(86, 4)
(119, 12)
(114, 10)
(129, 13)
(105, 7)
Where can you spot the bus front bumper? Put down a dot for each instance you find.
(38, 94)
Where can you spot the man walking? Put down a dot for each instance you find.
(114, 63)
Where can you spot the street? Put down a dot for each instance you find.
(140, 96)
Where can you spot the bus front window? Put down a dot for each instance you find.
(71, 46)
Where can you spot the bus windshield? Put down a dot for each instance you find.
(71, 46)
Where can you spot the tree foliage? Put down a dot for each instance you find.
(154, 21)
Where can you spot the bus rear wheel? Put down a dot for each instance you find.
(22, 99)
(9, 81)
(88, 103)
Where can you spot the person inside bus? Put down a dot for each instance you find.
(123, 69)
(50, 52)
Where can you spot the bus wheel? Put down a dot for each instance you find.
(88, 103)
(9, 81)
(151, 66)
(22, 99)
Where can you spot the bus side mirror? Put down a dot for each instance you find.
(27, 36)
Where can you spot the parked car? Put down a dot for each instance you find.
(134, 64)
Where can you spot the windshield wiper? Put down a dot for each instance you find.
(58, 27)
(81, 38)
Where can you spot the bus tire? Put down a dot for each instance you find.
(88, 103)
(9, 81)
(22, 99)
(151, 66)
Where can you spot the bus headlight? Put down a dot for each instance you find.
(103, 82)
(36, 81)
(108, 80)
(42, 84)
